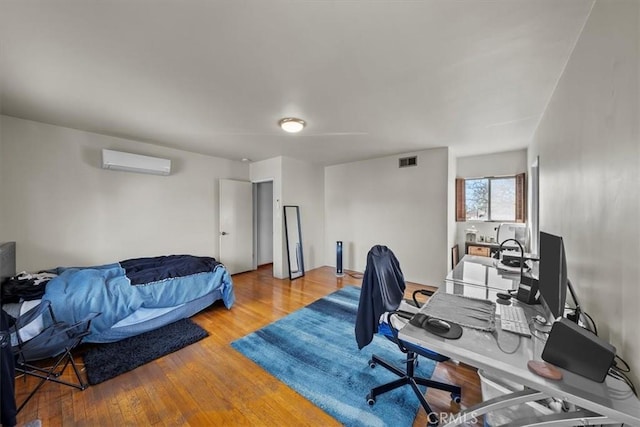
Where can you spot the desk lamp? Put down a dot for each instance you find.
(501, 248)
(528, 286)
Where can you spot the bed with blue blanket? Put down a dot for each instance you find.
(138, 295)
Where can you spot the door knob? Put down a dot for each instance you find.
(223, 233)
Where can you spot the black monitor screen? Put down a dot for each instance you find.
(552, 279)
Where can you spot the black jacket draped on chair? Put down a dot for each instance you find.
(382, 269)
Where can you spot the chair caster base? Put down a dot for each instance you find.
(432, 420)
(370, 400)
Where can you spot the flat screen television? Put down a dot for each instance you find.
(552, 275)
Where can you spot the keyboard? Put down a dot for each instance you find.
(513, 319)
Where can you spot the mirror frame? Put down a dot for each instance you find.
(288, 211)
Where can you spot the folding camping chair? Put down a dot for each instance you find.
(54, 342)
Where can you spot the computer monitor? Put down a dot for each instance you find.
(552, 276)
(512, 231)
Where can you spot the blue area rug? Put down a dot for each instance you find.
(314, 351)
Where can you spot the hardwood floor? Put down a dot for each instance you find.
(209, 383)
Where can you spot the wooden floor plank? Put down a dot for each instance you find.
(210, 383)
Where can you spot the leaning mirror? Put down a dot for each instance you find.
(293, 238)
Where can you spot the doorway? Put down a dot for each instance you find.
(263, 223)
(235, 216)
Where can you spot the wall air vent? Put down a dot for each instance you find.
(405, 162)
(117, 160)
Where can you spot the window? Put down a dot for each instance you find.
(491, 199)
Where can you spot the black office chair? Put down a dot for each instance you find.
(383, 292)
(54, 342)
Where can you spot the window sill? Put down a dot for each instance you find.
(481, 221)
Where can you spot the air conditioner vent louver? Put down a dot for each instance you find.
(117, 160)
(408, 161)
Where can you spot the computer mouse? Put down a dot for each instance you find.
(418, 319)
(539, 319)
(439, 324)
(503, 301)
(502, 295)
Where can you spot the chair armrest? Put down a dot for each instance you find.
(394, 331)
(84, 325)
(404, 314)
(421, 292)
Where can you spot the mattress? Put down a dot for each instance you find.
(132, 296)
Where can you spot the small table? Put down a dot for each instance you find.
(486, 249)
(505, 355)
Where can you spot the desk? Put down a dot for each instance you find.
(505, 355)
(482, 272)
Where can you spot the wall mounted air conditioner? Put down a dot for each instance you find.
(117, 160)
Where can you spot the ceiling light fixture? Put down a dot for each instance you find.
(291, 124)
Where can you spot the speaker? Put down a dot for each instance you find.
(527, 289)
(578, 350)
(339, 271)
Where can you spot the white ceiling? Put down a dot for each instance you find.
(371, 78)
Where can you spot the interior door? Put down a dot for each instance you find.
(236, 225)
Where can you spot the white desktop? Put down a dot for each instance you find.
(505, 355)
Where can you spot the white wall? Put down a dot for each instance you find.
(3, 235)
(264, 222)
(497, 164)
(374, 202)
(451, 207)
(303, 185)
(294, 183)
(62, 208)
(271, 170)
(588, 142)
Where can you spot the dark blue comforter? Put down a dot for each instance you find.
(117, 290)
(141, 271)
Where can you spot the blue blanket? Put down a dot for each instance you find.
(108, 290)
